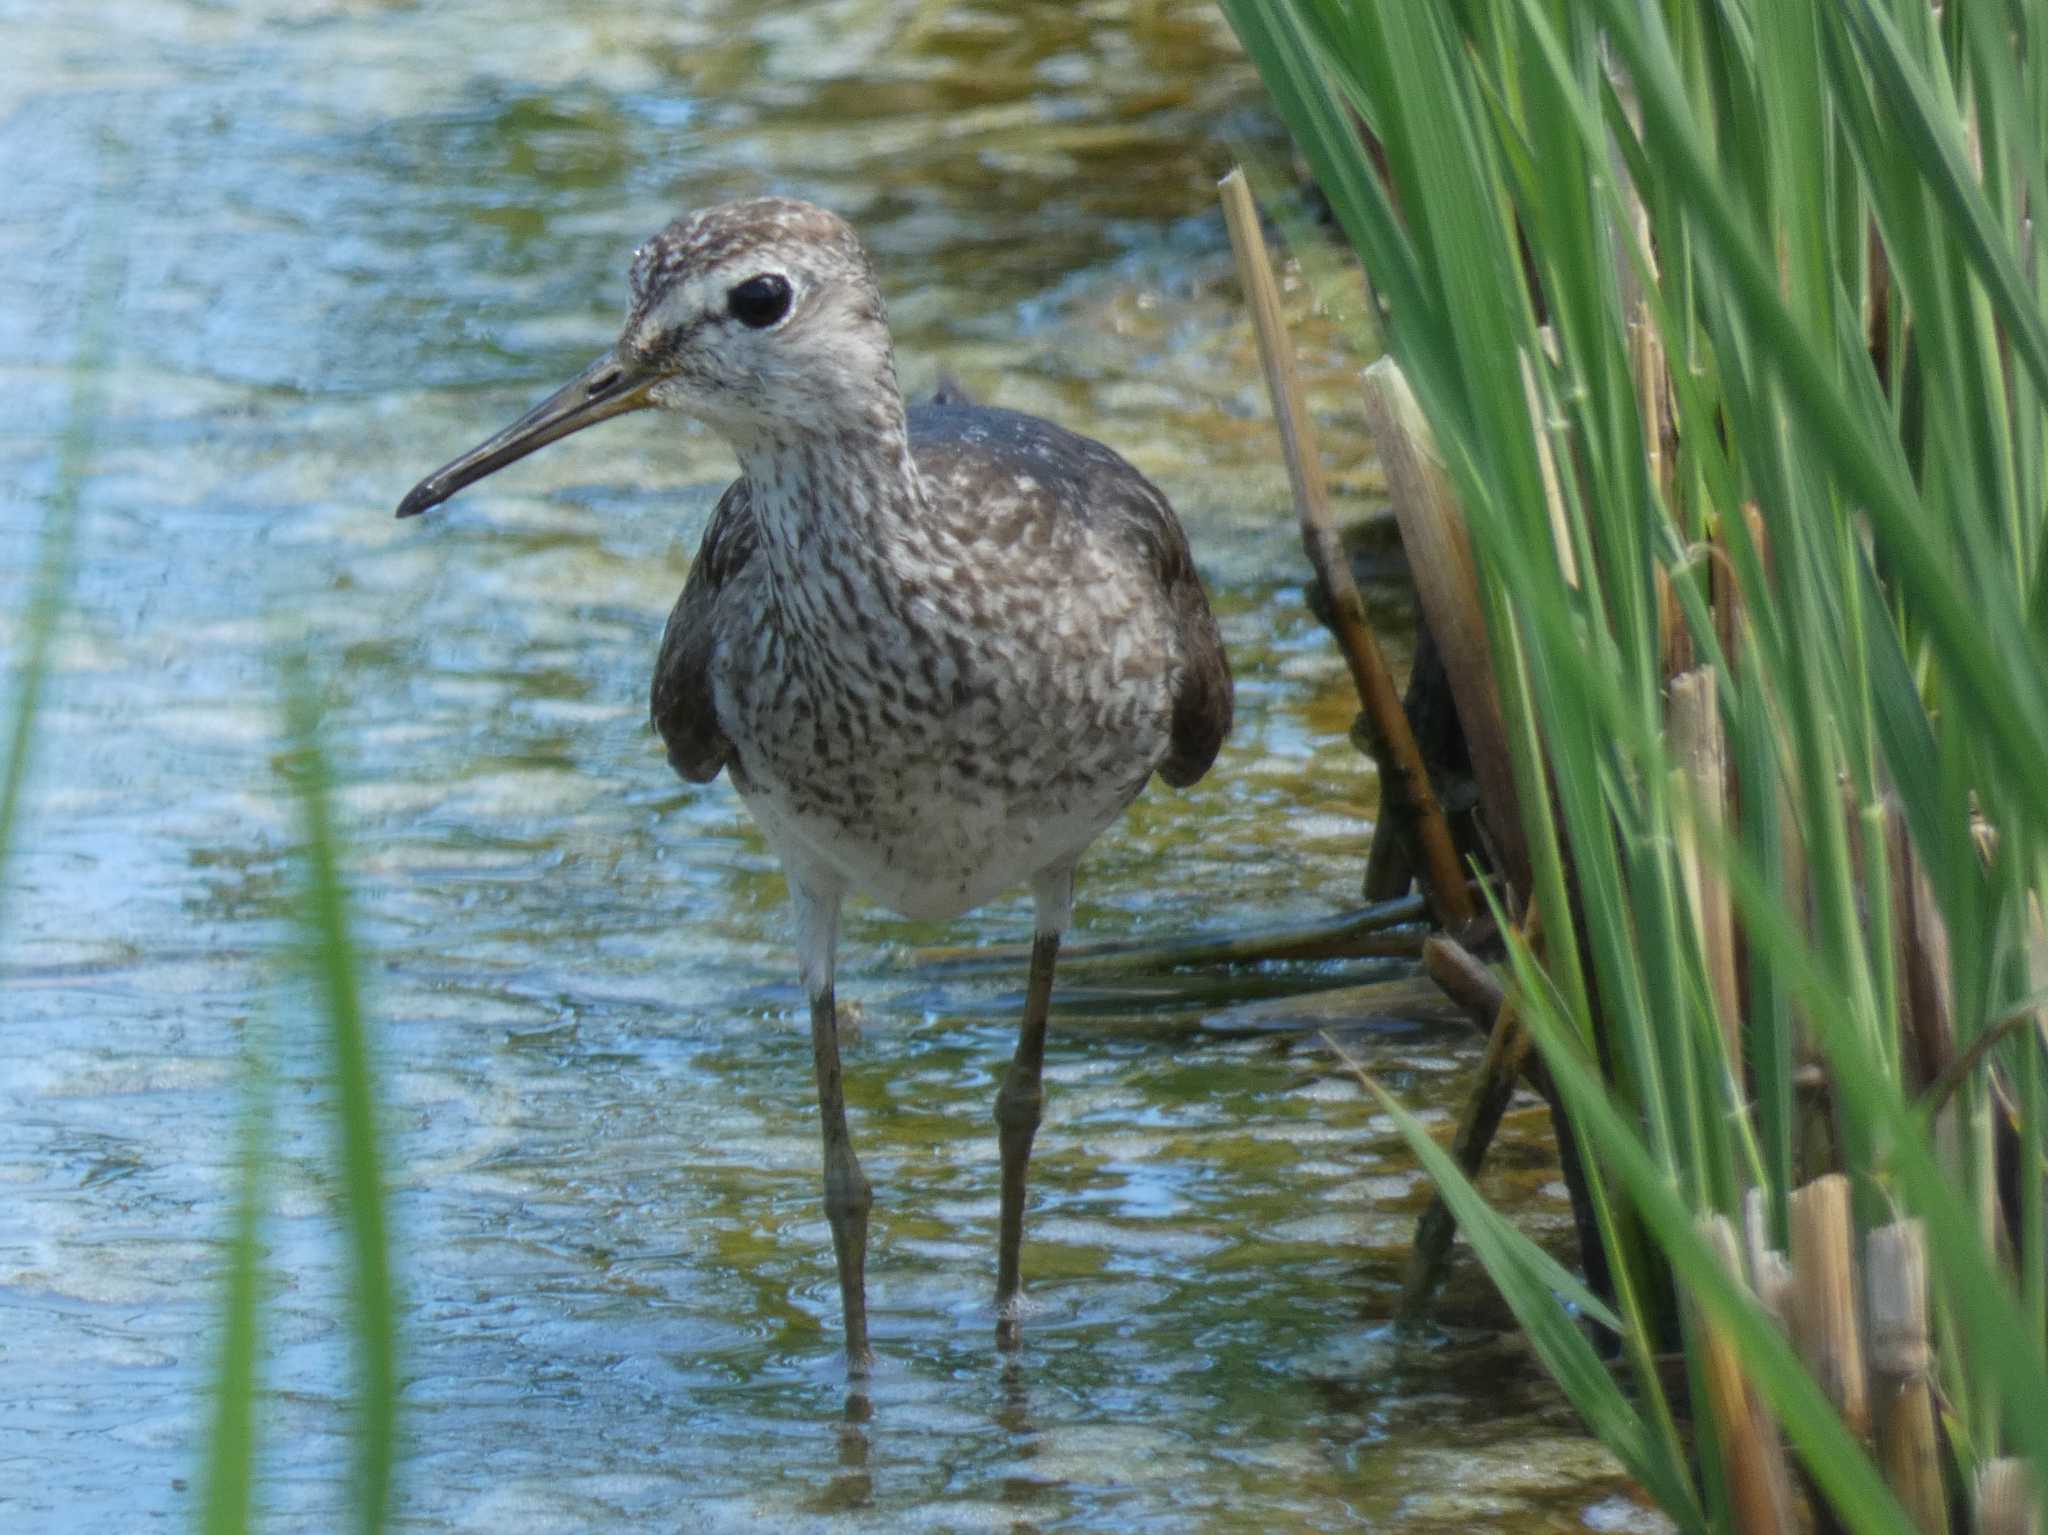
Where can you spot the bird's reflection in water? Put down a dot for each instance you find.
(1014, 1417)
(853, 1484)
(1013, 1412)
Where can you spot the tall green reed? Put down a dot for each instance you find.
(330, 956)
(326, 955)
(228, 1480)
(1753, 182)
(57, 544)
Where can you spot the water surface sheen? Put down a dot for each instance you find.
(349, 238)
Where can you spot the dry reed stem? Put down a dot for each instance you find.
(1770, 1272)
(1447, 587)
(1909, 1449)
(1443, 879)
(1895, 1287)
(1508, 1056)
(1464, 979)
(1362, 932)
(1647, 367)
(1752, 1456)
(1927, 1022)
(1824, 1301)
(2006, 1501)
(1432, 715)
(1674, 640)
(1647, 362)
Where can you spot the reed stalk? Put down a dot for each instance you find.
(56, 548)
(1405, 788)
(328, 953)
(1901, 1364)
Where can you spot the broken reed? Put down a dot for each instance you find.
(1729, 329)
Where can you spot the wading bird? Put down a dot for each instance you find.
(939, 648)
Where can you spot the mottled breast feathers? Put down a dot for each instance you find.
(951, 441)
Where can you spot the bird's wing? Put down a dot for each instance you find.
(1203, 696)
(1077, 476)
(682, 704)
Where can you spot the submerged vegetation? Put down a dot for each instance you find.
(1731, 328)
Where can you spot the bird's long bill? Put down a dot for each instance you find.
(609, 387)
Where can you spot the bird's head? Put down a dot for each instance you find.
(761, 318)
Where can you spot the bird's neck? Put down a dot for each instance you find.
(835, 503)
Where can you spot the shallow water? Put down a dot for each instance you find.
(347, 239)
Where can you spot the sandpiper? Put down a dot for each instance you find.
(939, 647)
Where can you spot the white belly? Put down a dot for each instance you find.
(931, 851)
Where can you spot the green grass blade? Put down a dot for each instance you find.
(56, 552)
(1932, 134)
(331, 960)
(228, 1480)
(1868, 463)
(1538, 1289)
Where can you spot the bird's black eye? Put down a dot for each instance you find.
(760, 301)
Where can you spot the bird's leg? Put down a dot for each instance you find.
(1021, 1099)
(847, 1194)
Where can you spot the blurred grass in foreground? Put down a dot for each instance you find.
(228, 1481)
(56, 546)
(330, 962)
